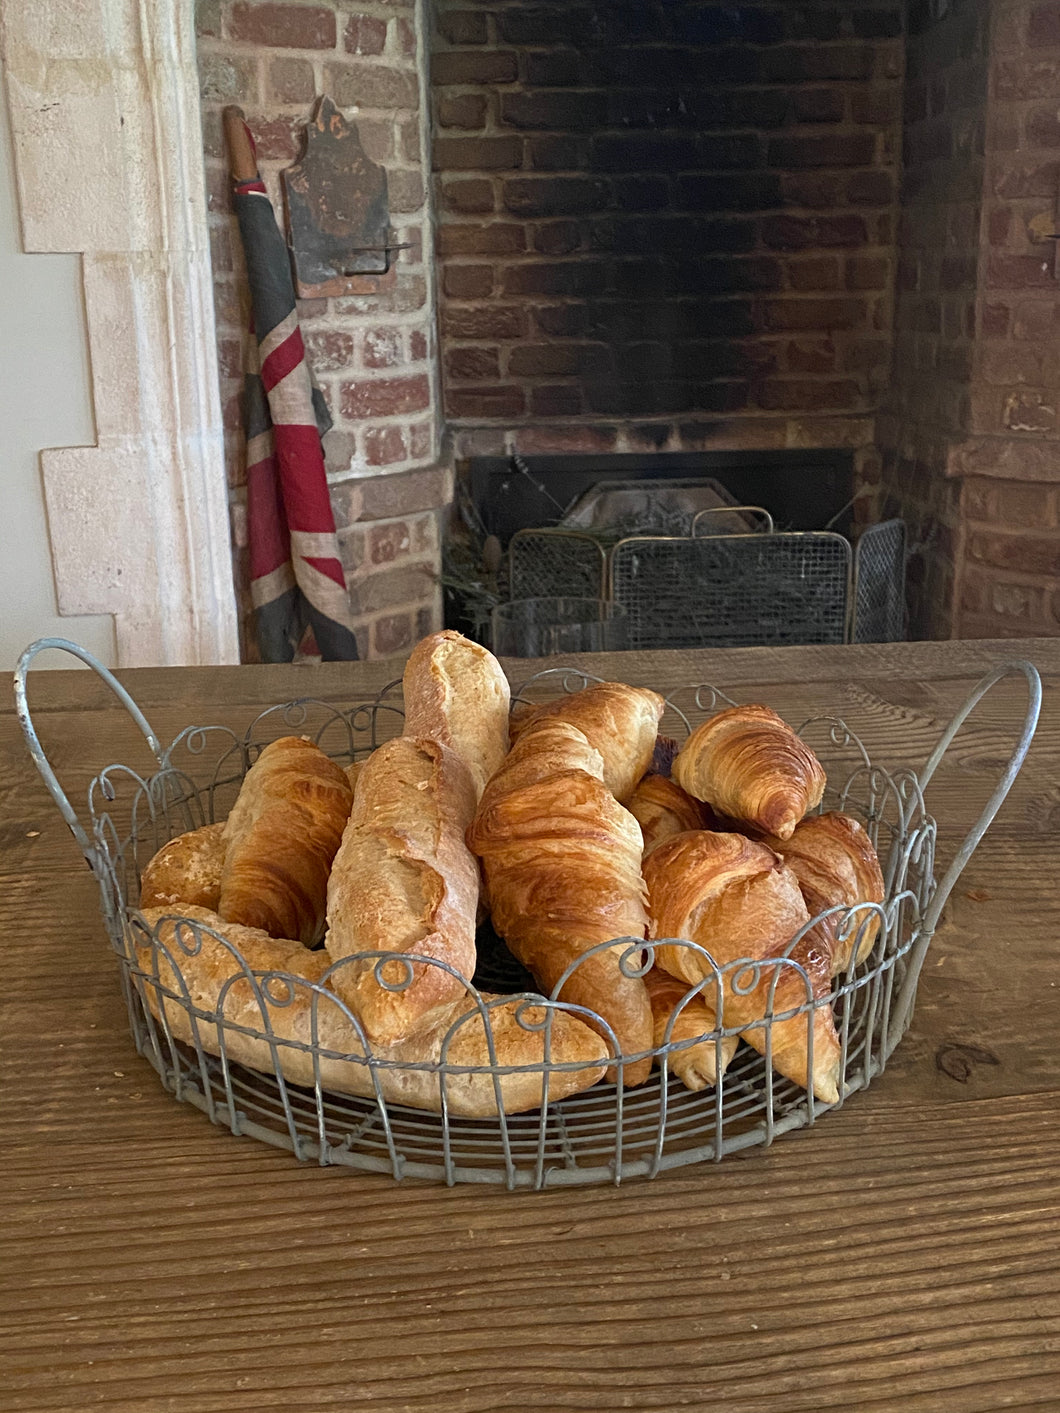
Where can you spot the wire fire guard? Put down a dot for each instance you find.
(294, 1089)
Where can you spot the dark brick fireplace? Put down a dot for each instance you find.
(685, 228)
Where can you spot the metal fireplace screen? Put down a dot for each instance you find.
(733, 590)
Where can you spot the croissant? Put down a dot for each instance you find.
(695, 1064)
(750, 765)
(736, 899)
(280, 839)
(562, 865)
(662, 808)
(212, 975)
(835, 863)
(620, 722)
(456, 692)
(404, 881)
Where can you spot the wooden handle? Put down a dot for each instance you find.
(242, 161)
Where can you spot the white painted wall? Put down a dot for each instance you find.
(44, 402)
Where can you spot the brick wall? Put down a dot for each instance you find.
(1010, 466)
(970, 436)
(928, 407)
(373, 355)
(665, 226)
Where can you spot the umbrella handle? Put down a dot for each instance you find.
(242, 159)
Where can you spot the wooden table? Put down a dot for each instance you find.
(903, 1254)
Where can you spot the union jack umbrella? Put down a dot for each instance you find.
(296, 575)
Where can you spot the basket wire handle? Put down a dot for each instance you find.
(36, 750)
(971, 841)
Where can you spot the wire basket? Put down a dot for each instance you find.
(607, 1133)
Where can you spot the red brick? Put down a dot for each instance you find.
(556, 400)
(462, 26)
(813, 232)
(382, 447)
(328, 350)
(405, 191)
(496, 238)
(566, 439)
(392, 633)
(468, 197)
(1030, 506)
(818, 190)
(875, 105)
(462, 110)
(874, 188)
(1019, 271)
(381, 348)
(810, 355)
(1043, 27)
(503, 321)
(384, 397)
(277, 139)
(283, 26)
(814, 273)
(1029, 410)
(291, 81)
(478, 154)
(421, 440)
(1037, 319)
(555, 196)
(557, 237)
(995, 320)
(472, 364)
(1024, 554)
(485, 402)
(1018, 179)
(495, 66)
(822, 150)
(869, 272)
(1043, 127)
(1025, 77)
(365, 34)
(813, 313)
(559, 360)
(789, 394)
(468, 281)
(406, 36)
(819, 105)
(568, 277)
(391, 540)
(818, 62)
(371, 85)
(418, 346)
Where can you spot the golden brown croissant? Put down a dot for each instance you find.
(186, 870)
(662, 808)
(835, 863)
(403, 880)
(620, 722)
(468, 1095)
(456, 692)
(697, 1064)
(750, 765)
(736, 898)
(280, 839)
(562, 864)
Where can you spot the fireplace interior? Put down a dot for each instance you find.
(803, 249)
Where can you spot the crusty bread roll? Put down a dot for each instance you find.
(456, 692)
(736, 899)
(213, 970)
(620, 722)
(403, 880)
(562, 864)
(695, 1064)
(747, 763)
(186, 870)
(280, 839)
(835, 863)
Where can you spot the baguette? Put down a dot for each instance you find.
(403, 880)
(456, 692)
(213, 969)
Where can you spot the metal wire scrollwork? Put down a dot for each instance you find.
(280, 1057)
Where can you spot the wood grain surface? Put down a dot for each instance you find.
(902, 1254)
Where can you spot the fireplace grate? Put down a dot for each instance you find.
(879, 579)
